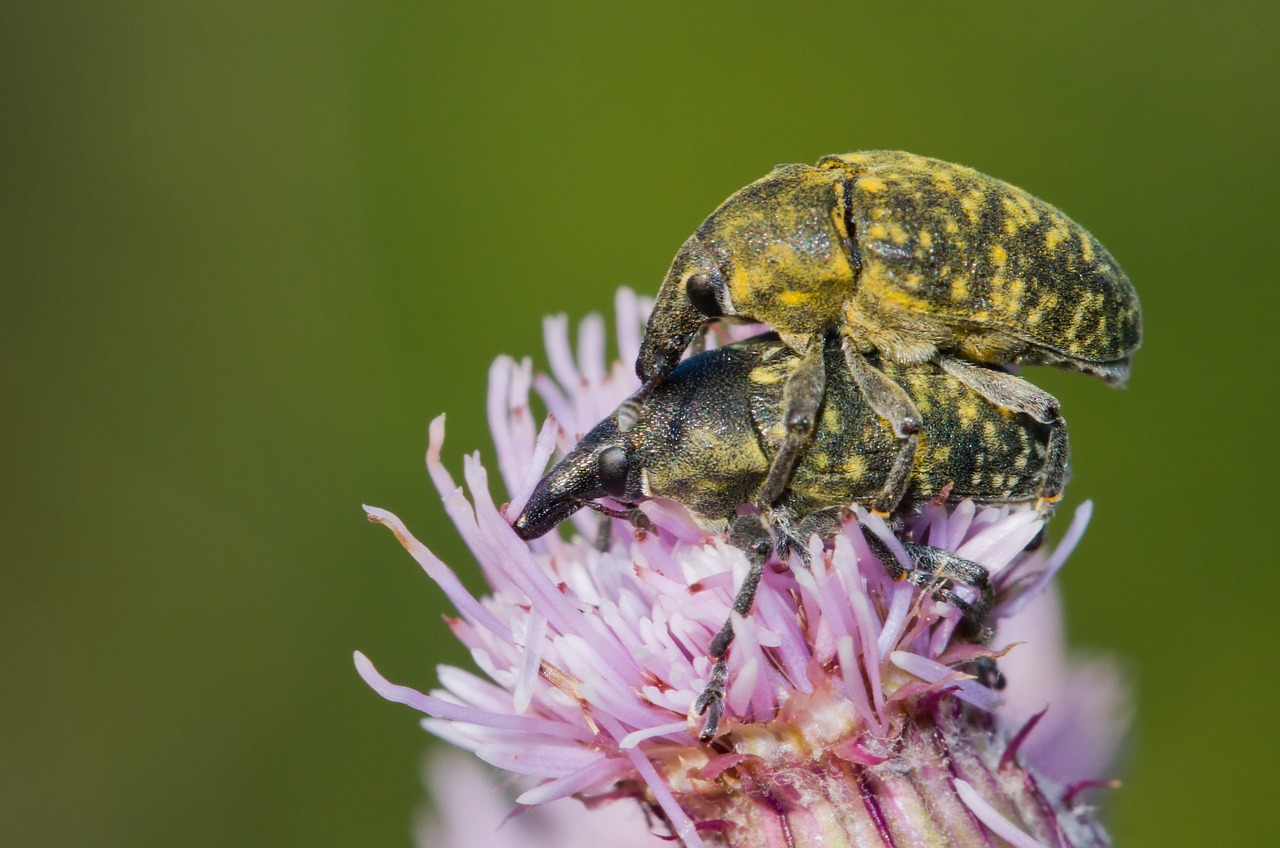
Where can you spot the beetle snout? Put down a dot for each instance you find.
(568, 486)
(541, 515)
(676, 316)
(549, 504)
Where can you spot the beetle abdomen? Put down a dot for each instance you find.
(993, 265)
(969, 447)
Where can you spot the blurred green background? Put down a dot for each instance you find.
(248, 250)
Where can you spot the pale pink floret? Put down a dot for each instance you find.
(1085, 700)
(471, 811)
(593, 658)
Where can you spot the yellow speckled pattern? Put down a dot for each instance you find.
(707, 436)
(984, 452)
(783, 245)
(909, 256)
(1004, 272)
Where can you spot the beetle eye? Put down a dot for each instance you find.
(611, 468)
(702, 294)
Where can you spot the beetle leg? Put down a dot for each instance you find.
(895, 485)
(785, 534)
(624, 514)
(791, 536)
(699, 343)
(825, 523)
(891, 403)
(634, 516)
(604, 534)
(934, 570)
(886, 556)
(801, 397)
(1010, 391)
(937, 568)
(1055, 466)
(747, 532)
(987, 672)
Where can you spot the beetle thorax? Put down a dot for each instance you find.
(784, 249)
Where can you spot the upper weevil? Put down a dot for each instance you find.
(707, 437)
(911, 257)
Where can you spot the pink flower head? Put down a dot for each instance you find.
(852, 712)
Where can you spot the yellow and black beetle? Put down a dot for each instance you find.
(708, 435)
(911, 258)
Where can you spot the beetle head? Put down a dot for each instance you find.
(785, 250)
(693, 292)
(599, 465)
(693, 438)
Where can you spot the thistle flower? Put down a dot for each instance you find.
(853, 715)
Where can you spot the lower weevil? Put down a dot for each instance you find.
(707, 436)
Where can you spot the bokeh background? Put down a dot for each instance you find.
(248, 250)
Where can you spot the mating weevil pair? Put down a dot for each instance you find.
(916, 259)
(708, 435)
(892, 281)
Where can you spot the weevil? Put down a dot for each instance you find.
(708, 435)
(913, 259)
